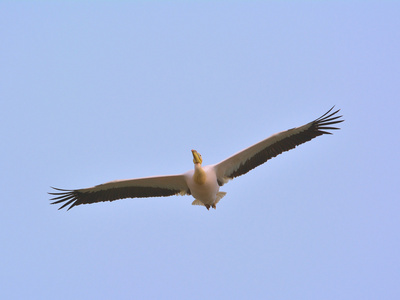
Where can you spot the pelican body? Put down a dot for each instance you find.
(202, 183)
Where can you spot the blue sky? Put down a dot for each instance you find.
(96, 91)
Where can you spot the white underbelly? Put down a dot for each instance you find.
(206, 192)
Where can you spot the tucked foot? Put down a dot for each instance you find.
(214, 206)
(207, 206)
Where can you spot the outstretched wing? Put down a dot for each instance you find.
(253, 156)
(156, 186)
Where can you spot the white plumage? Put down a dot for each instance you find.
(202, 183)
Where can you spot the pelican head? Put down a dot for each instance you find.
(196, 157)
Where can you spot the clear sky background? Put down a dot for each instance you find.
(96, 91)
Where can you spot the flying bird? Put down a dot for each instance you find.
(202, 183)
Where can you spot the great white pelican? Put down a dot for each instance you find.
(203, 182)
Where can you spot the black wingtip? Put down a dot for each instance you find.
(66, 197)
(327, 119)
